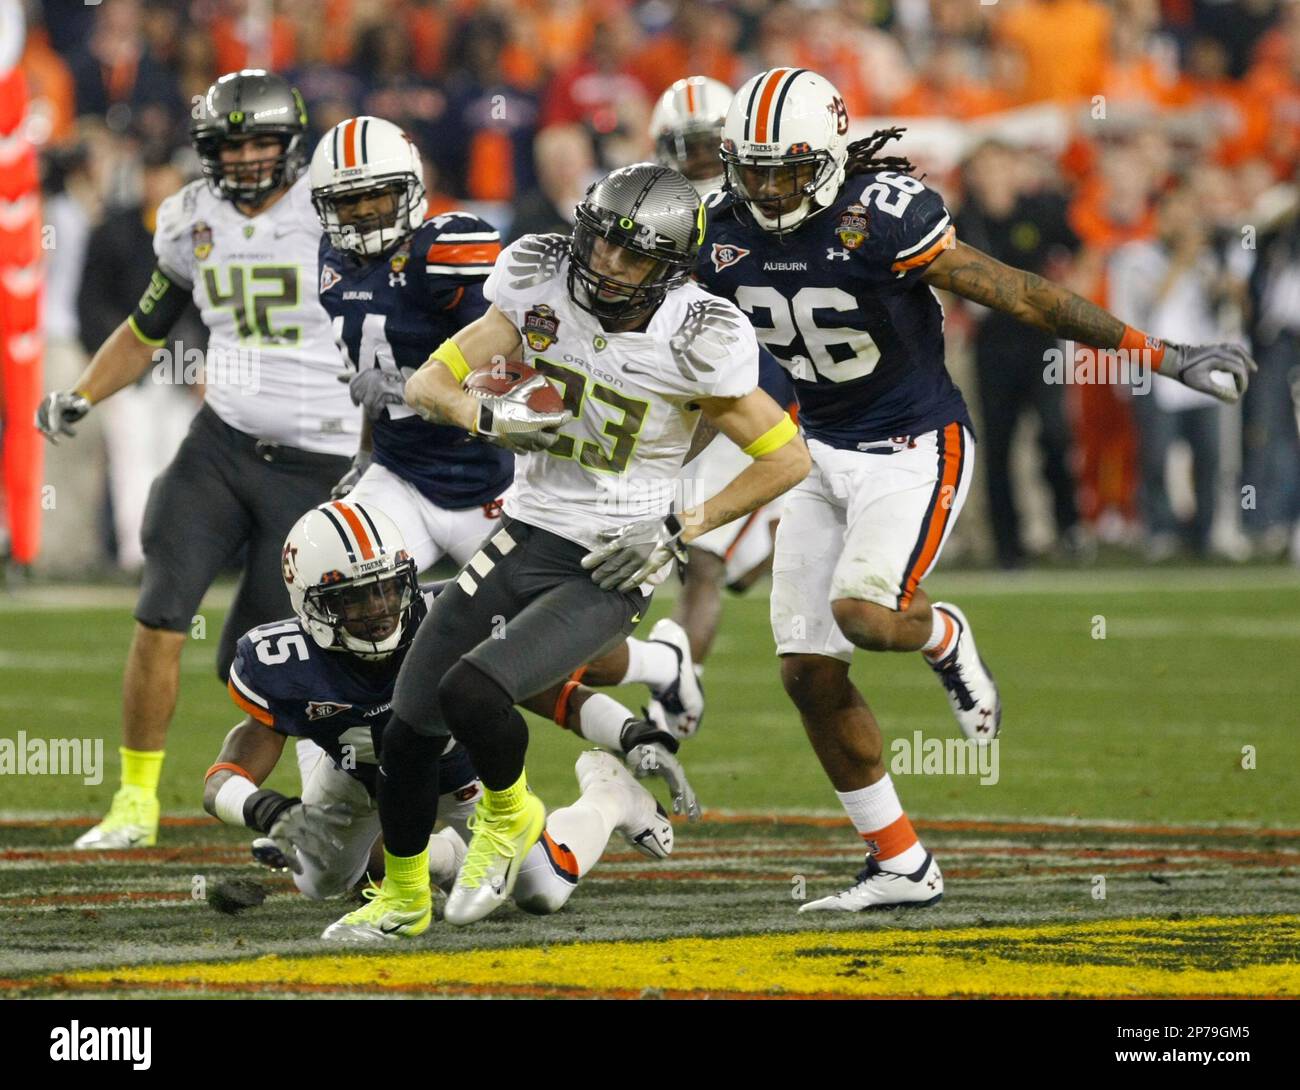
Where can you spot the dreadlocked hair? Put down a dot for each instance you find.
(862, 155)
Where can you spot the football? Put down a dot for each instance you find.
(501, 378)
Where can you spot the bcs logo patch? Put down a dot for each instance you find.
(852, 229)
(323, 709)
(725, 254)
(541, 327)
(328, 278)
(201, 240)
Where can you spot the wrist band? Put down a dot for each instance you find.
(1153, 348)
(262, 808)
(231, 796)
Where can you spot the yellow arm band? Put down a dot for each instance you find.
(449, 355)
(773, 439)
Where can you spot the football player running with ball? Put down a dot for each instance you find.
(276, 428)
(833, 253)
(393, 284)
(611, 317)
(327, 674)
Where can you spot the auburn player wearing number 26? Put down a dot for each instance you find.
(832, 251)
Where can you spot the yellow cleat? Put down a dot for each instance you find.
(386, 916)
(131, 822)
(496, 852)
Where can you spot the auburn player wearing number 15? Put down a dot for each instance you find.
(832, 252)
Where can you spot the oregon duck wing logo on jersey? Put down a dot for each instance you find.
(201, 240)
(541, 327)
(705, 337)
(725, 254)
(852, 229)
(534, 259)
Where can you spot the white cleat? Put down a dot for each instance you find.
(679, 707)
(131, 822)
(647, 827)
(882, 889)
(972, 692)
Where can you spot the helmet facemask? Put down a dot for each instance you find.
(781, 193)
(608, 297)
(371, 617)
(381, 224)
(248, 182)
(693, 152)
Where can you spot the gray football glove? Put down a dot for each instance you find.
(309, 831)
(374, 389)
(654, 759)
(1221, 370)
(59, 411)
(507, 420)
(346, 483)
(628, 556)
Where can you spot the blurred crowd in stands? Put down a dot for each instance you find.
(1145, 152)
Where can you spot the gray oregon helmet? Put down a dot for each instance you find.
(647, 209)
(252, 102)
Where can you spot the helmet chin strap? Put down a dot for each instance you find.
(785, 222)
(371, 649)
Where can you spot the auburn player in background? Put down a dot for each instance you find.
(832, 252)
(276, 429)
(686, 127)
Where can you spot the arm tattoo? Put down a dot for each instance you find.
(974, 275)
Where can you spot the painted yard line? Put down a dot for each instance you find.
(1261, 955)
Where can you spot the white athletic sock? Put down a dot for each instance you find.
(586, 826)
(650, 663)
(878, 817)
(442, 856)
(943, 636)
(601, 719)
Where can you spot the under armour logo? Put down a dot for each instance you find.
(984, 725)
(398, 279)
(832, 253)
(933, 882)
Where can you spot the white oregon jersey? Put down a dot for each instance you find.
(272, 366)
(632, 394)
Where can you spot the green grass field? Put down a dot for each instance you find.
(1121, 757)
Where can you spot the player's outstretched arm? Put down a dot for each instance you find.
(121, 359)
(1222, 370)
(250, 748)
(764, 431)
(628, 556)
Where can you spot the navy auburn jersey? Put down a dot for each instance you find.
(285, 680)
(840, 303)
(391, 312)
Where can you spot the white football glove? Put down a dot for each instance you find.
(506, 419)
(59, 411)
(308, 831)
(1221, 370)
(630, 555)
(654, 759)
(346, 483)
(375, 389)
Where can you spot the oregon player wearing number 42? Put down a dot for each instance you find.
(276, 429)
(832, 252)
